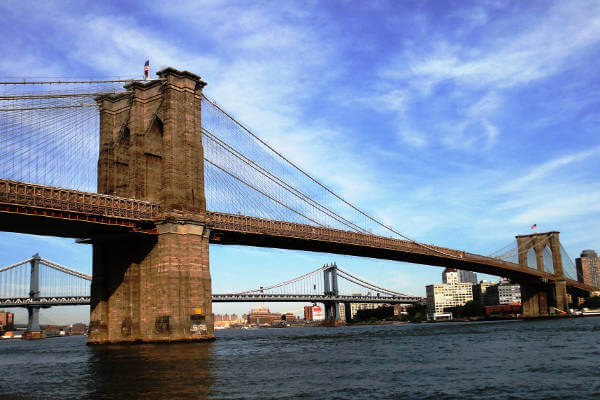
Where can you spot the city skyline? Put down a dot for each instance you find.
(459, 124)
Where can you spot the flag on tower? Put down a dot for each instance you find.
(146, 69)
(533, 226)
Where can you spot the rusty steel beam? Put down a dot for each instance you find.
(56, 202)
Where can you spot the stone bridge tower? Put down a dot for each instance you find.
(539, 296)
(154, 287)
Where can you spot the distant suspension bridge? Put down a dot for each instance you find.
(37, 283)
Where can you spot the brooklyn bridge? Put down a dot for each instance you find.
(152, 172)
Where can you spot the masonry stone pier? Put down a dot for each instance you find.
(154, 288)
(538, 298)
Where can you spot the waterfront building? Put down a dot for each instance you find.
(505, 292)
(342, 311)
(308, 314)
(452, 275)
(7, 321)
(262, 315)
(587, 268)
(441, 296)
(400, 309)
(289, 317)
(53, 330)
(354, 307)
(503, 310)
(509, 293)
(227, 321)
(78, 329)
(451, 293)
(481, 294)
(467, 276)
(317, 313)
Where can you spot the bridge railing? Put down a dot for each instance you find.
(236, 297)
(254, 225)
(66, 200)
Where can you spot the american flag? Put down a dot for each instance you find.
(533, 226)
(146, 69)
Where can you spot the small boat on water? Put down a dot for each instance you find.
(590, 313)
(10, 335)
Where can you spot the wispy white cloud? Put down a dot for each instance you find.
(533, 53)
(523, 53)
(541, 173)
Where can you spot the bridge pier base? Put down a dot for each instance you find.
(348, 312)
(152, 289)
(33, 324)
(561, 301)
(534, 298)
(332, 314)
(541, 299)
(331, 311)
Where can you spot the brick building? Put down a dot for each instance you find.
(587, 268)
(308, 313)
(262, 315)
(7, 321)
(78, 329)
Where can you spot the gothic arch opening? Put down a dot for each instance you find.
(153, 155)
(531, 258)
(548, 262)
(153, 137)
(124, 136)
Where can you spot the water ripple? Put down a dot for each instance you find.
(500, 360)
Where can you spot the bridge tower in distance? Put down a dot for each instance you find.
(330, 281)
(154, 288)
(33, 321)
(538, 297)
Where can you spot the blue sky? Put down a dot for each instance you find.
(459, 123)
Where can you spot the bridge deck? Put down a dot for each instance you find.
(222, 298)
(38, 209)
(47, 210)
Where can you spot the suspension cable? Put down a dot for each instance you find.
(282, 183)
(260, 191)
(66, 270)
(284, 283)
(369, 283)
(214, 103)
(15, 265)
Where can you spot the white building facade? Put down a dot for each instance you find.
(444, 295)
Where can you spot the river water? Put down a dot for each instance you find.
(556, 359)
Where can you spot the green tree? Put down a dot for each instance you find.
(470, 309)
